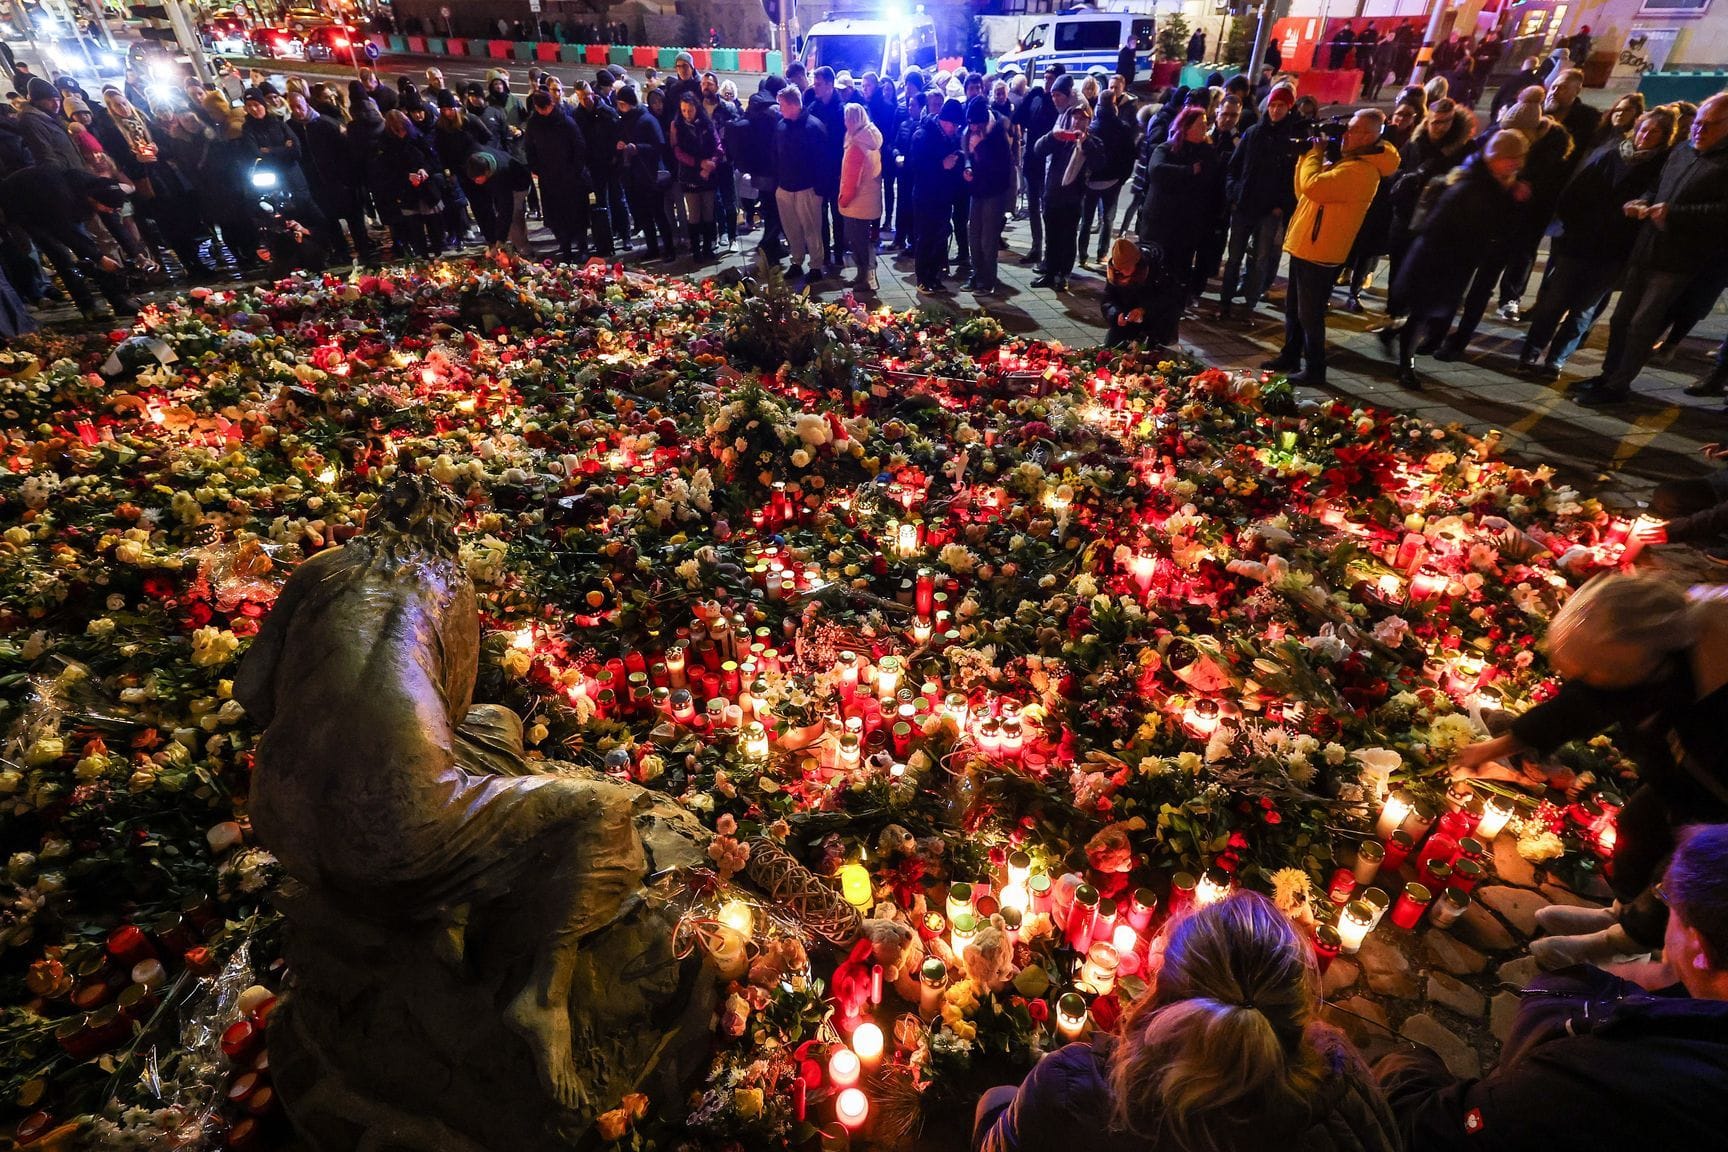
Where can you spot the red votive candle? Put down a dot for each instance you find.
(1398, 848)
(1412, 902)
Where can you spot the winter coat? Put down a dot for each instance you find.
(273, 139)
(642, 166)
(1465, 226)
(1262, 172)
(692, 142)
(599, 124)
(832, 113)
(935, 186)
(1592, 1062)
(48, 139)
(1117, 140)
(992, 159)
(1582, 123)
(1422, 160)
(50, 201)
(1183, 186)
(1508, 93)
(394, 160)
(14, 148)
(1065, 1102)
(1058, 153)
(1331, 201)
(1035, 117)
(383, 95)
(325, 157)
(799, 146)
(1695, 235)
(1593, 224)
(861, 174)
(885, 114)
(750, 142)
(558, 155)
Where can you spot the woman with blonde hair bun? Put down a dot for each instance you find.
(1637, 652)
(1224, 1053)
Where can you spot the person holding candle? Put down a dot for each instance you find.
(1224, 1051)
(1594, 1061)
(1636, 652)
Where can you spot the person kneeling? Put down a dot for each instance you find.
(1142, 303)
(1224, 1051)
(1594, 1061)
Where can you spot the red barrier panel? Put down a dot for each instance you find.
(595, 53)
(417, 45)
(644, 57)
(1341, 87)
(499, 49)
(455, 47)
(752, 60)
(546, 51)
(703, 58)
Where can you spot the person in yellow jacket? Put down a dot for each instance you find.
(1331, 200)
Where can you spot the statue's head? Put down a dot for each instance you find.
(416, 511)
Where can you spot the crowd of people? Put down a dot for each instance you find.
(1201, 191)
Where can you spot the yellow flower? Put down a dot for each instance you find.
(747, 1102)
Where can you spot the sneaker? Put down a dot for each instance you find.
(794, 271)
(1663, 354)
(1353, 303)
(1045, 281)
(870, 282)
(1449, 351)
(725, 245)
(1510, 312)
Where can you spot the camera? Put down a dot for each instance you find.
(1330, 132)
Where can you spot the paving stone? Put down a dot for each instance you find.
(1510, 867)
(1453, 956)
(1502, 1011)
(1479, 929)
(1456, 995)
(1387, 968)
(1518, 905)
(1365, 1022)
(1459, 1056)
(1560, 894)
(1341, 974)
(1518, 973)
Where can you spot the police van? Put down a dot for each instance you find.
(886, 47)
(1079, 38)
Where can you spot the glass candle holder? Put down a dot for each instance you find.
(1444, 912)
(1495, 814)
(1327, 944)
(1398, 846)
(1412, 903)
(1370, 855)
(1343, 886)
(1082, 917)
(1102, 961)
(1354, 925)
(1378, 902)
(1071, 1013)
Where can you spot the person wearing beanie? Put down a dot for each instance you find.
(1068, 149)
(497, 186)
(558, 154)
(990, 180)
(643, 159)
(938, 165)
(325, 160)
(43, 125)
(50, 205)
(1141, 305)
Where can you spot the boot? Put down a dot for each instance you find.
(1714, 384)
(1407, 377)
(711, 239)
(693, 237)
(1567, 920)
(1609, 946)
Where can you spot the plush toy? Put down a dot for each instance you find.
(1111, 858)
(885, 942)
(989, 957)
(780, 959)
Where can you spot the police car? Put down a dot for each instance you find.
(1082, 38)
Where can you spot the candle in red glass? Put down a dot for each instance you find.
(1343, 886)
(1467, 873)
(1439, 847)
(1082, 917)
(1326, 945)
(1410, 906)
(1398, 848)
(926, 592)
(1457, 823)
(1435, 875)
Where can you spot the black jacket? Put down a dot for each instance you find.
(693, 142)
(1065, 1103)
(1592, 222)
(832, 114)
(1695, 235)
(1262, 173)
(558, 154)
(1466, 224)
(1508, 93)
(273, 139)
(1035, 117)
(1592, 1062)
(600, 131)
(325, 156)
(1057, 153)
(992, 160)
(1182, 194)
(1118, 141)
(642, 167)
(800, 150)
(51, 201)
(394, 160)
(935, 186)
(750, 142)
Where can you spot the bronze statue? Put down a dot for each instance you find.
(396, 807)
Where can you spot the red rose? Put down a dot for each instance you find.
(1106, 1012)
(1039, 1010)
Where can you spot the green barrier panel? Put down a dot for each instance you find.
(725, 59)
(1667, 87)
(435, 46)
(618, 54)
(523, 51)
(776, 63)
(666, 58)
(398, 43)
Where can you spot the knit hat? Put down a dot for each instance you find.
(474, 88)
(252, 95)
(446, 98)
(76, 107)
(977, 111)
(953, 112)
(1505, 144)
(40, 89)
(604, 78)
(480, 163)
(1281, 94)
(684, 58)
(1523, 115)
(1124, 256)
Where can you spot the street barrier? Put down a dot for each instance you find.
(634, 56)
(1667, 87)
